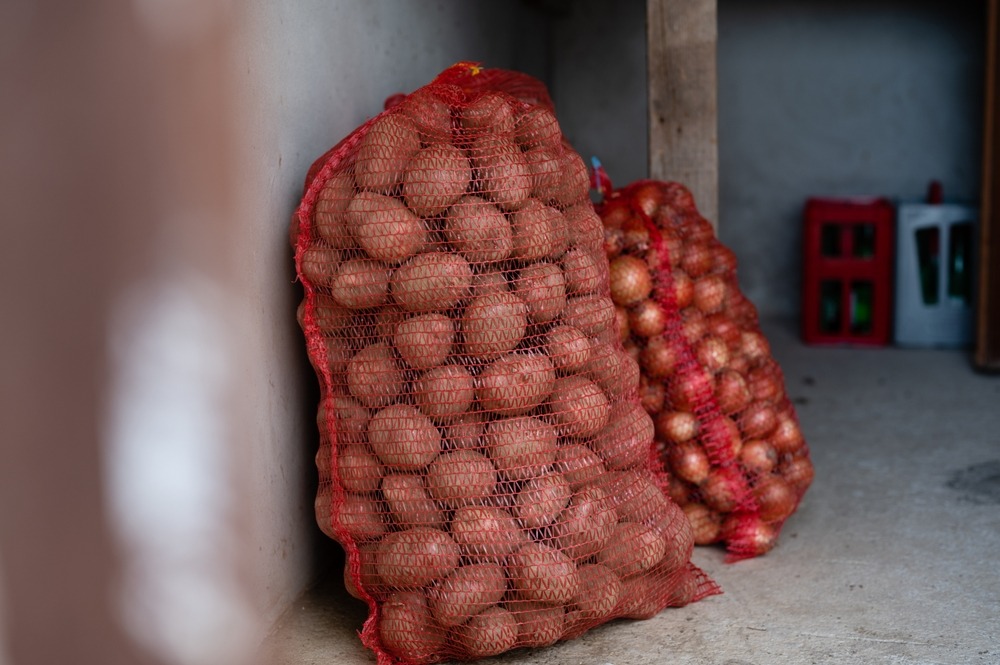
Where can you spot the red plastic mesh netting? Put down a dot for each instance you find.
(724, 425)
(484, 459)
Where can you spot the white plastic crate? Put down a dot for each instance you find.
(935, 270)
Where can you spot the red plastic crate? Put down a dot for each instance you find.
(847, 264)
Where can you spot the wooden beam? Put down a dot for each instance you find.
(987, 351)
(683, 125)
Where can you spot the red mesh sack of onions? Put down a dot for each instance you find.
(484, 459)
(724, 426)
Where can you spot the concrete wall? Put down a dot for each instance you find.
(822, 97)
(310, 71)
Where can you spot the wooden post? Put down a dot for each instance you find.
(987, 352)
(683, 126)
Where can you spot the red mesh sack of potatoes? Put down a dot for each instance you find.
(484, 459)
(724, 426)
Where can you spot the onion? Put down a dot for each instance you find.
(787, 437)
(712, 353)
(647, 319)
(752, 536)
(614, 242)
(722, 325)
(676, 426)
(673, 246)
(697, 229)
(775, 499)
(705, 522)
(741, 309)
(758, 420)
(621, 323)
(739, 363)
(651, 394)
(727, 437)
(630, 280)
(690, 389)
(693, 326)
(709, 293)
(614, 217)
(798, 472)
(632, 349)
(731, 392)
(689, 462)
(683, 289)
(636, 235)
(718, 492)
(758, 457)
(755, 346)
(658, 358)
(723, 259)
(679, 491)
(649, 197)
(764, 383)
(696, 259)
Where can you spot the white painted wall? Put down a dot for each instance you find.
(309, 72)
(824, 97)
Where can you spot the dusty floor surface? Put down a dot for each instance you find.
(892, 557)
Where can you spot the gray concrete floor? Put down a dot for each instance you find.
(892, 557)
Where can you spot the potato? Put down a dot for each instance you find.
(319, 265)
(403, 438)
(575, 186)
(579, 406)
(360, 517)
(515, 384)
(331, 206)
(430, 114)
(538, 624)
(633, 548)
(541, 499)
(544, 165)
(467, 592)
(585, 270)
(586, 525)
(538, 232)
(641, 598)
(444, 393)
(626, 440)
(425, 340)
(677, 533)
(337, 356)
(568, 348)
(542, 287)
(490, 114)
(521, 447)
(500, 172)
(542, 573)
(538, 127)
(409, 502)
(684, 591)
(465, 432)
(384, 151)
(431, 282)
(485, 533)
(635, 496)
(616, 372)
(351, 424)
(357, 469)
(461, 478)
(579, 464)
(435, 178)
(407, 630)
(330, 317)
(478, 230)
(590, 313)
(493, 325)
(488, 634)
(360, 284)
(415, 557)
(368, 577)
(489, 282)
(374, 377)
(384, 228)
(585, 229)
(599, 593)
(321, 508)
